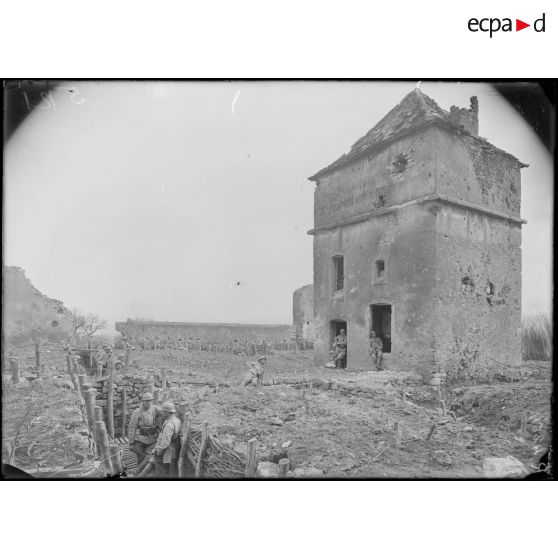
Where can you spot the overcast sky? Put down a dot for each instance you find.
(190, 201)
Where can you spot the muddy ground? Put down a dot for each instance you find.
(344, 425)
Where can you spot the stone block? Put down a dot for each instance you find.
(503, 468)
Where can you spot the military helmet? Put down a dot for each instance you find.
(147, 396)
(263, 357)
(169, 407)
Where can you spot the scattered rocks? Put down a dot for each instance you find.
(276, 422)
(277, 455)
(503, 468)
(286, 444)
(289, 417)
(468, 429)
(307, 472)
(442, 458)
(267, 470)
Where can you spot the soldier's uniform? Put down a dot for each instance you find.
(340, 346)
(143, 430)
(166, 449)
(255, 373)
(375, 350)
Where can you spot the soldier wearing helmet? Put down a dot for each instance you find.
(166, 449)
(255, 373)
(142, 432)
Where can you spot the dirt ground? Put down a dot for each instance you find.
(344, 425)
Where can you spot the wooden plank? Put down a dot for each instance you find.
(186, 429)
(203, 449)
(103, 446)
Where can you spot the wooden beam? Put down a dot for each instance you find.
(186, 429)
(110, 398)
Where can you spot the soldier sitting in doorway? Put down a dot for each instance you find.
(340, 348)
(375, 349)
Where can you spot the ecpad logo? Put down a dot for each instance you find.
(494, 24)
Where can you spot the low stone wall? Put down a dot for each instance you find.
(206, 332)
(135, 386)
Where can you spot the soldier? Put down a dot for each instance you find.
(340, 347)
(142, 432)
(375, 349)
(255, 374)
(166, 449)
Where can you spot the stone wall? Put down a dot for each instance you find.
(206, 332)
(135, 385)
(303, 314)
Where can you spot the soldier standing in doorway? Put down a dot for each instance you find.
(340, 348)
(375, 349)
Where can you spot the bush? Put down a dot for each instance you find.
(536, 337)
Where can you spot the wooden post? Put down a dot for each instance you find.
(103, 445)
(89, 405)
(14, 367)
(151, 385)
(98, 413)
(186, 428)
(115, 459)
(124, 411)
(127, 361)
(443, 406)
(99, 368)
(284, 465)
(398, 435)
(81, 381)
(251, 459)
(203, 449)
(69, 362)
(110, 398)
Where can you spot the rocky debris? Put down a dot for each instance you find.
(468, 429)
(267, 470)
(277, 455)
(442, 458)
(307, 472)
(276, 421)
(503, 468)
(286, 444)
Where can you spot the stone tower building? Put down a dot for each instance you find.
(417, 235)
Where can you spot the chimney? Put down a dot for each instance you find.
(467, 119)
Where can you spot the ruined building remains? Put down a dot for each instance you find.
(417, 235)
(303, 316)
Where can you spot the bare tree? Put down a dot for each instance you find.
(92, 324)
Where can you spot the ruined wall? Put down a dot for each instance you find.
(22, 299)
(303, 313)
(472, 170)
(405, 240)
(478, 301)
(403, 171)
(210, 333)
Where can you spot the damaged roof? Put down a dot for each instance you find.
(415, 110)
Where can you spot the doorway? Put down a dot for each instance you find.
(380, 315)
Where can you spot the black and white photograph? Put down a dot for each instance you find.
(277, 279)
